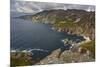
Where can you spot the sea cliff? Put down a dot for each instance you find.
(71, 21)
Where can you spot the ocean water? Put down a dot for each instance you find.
(38, 38)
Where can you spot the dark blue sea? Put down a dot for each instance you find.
(37, 37)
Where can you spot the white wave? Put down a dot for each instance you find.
(15, 50)
(35, 49)
(25, 51)
(29, 50)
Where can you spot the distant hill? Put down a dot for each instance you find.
(74, 21)
(79, 22)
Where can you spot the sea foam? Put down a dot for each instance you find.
(29, 50)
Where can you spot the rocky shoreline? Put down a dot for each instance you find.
(74, 22)
(73, 54)
(68, 55)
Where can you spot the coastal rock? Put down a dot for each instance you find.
(70, 57)
(70, 20)
(77, 22)
(66, 57)
(74, 54)
(52, 58)
(21, 58)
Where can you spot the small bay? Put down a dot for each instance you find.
(38, 37)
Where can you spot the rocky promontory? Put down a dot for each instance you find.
(71, 21)
(74, 54)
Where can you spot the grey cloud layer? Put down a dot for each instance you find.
(30, 7)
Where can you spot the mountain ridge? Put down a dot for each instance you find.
(75, 21)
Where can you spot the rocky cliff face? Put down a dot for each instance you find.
(80, 52)
(73, 21)
(66, 57)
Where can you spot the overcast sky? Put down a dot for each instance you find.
(33, 7)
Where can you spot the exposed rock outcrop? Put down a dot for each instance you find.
(21, 58)
(74, 21)
(66, 57)
(52, 58)
(74, 54)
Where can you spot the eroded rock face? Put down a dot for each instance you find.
(72, 20)
(52, 58)
(66, 57)
(70, 57)
(21, 58)
(75, 54)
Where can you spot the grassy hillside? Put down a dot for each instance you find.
(72, 20)
(89, 46)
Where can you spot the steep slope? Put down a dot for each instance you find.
(73, 21)
(78, 22)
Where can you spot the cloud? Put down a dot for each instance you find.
(33, 7)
